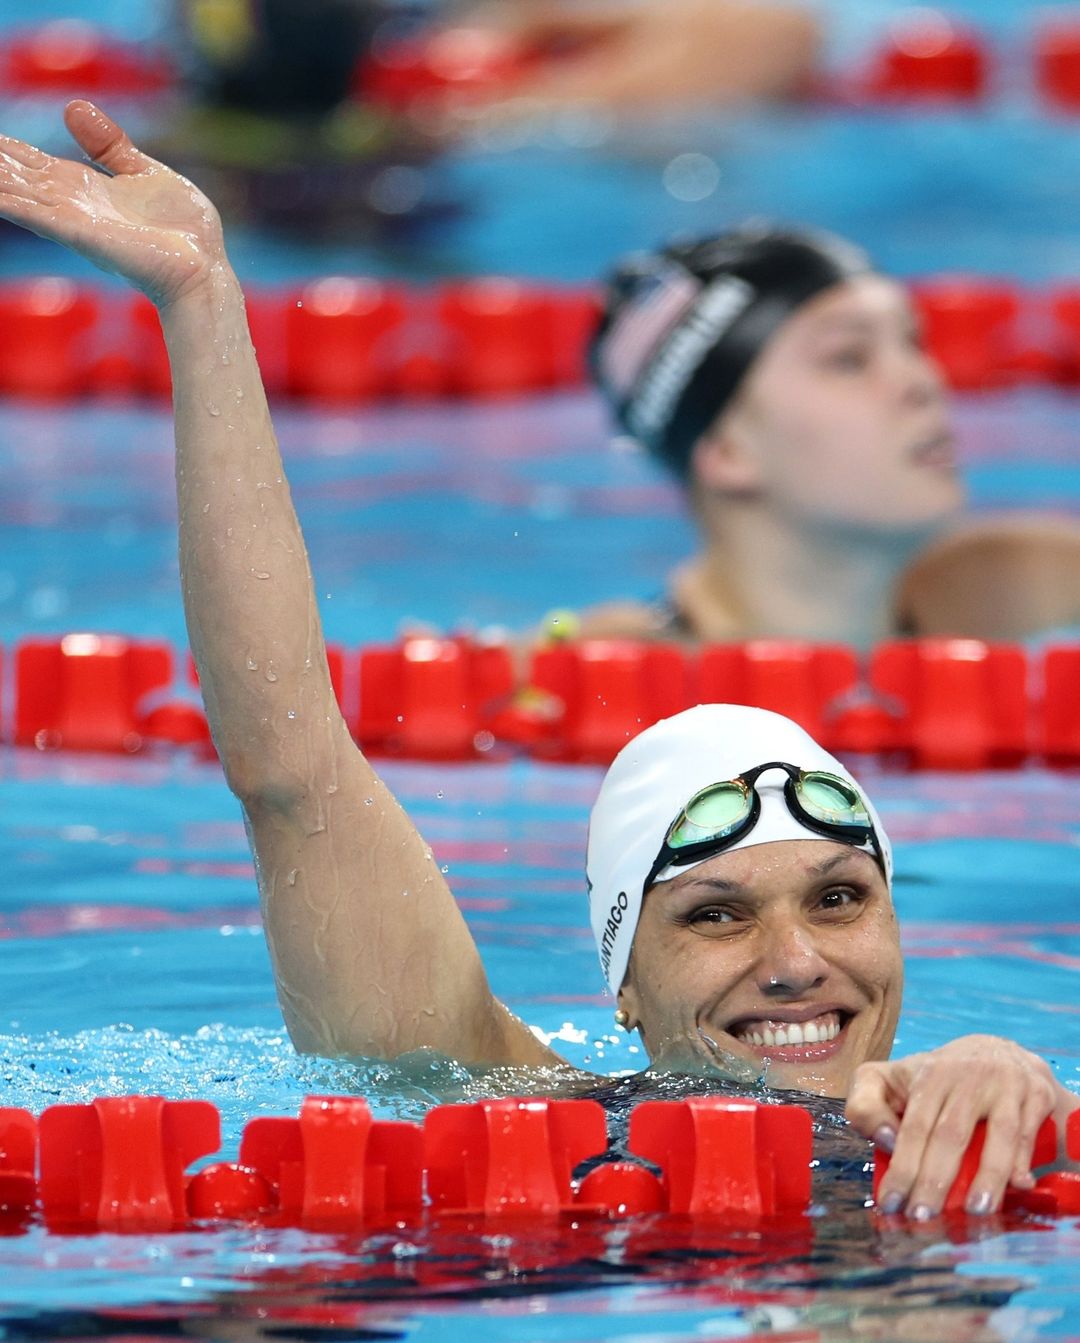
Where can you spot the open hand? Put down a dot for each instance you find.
(136, 218)
(925, 1108)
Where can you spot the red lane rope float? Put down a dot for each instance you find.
(120, 1164)
(923, 57)
(352, 340)
(338, 340)
(71, 56)
(946, 704)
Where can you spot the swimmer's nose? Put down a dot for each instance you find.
(790, 964)
(922, 381)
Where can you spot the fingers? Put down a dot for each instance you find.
(17, 196)
(1004, 1148)
(1040, 1104)
(872, 1108)
(926, 1154)
(949, 1093)
(104, 141)
(20, 152)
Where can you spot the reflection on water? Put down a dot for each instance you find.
(833, 1276)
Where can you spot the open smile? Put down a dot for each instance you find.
(813, 1037)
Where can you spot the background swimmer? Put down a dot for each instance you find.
(784, 382)
(775, 924)
(640, 57)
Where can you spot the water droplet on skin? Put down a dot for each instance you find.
(445, 869)
(292, 876)
(368, 801)
(271, 675)
(206, 508)
(260, 573)
(252, 665)
(291, 713)
(213, 410)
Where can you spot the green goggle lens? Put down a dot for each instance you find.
(829, 799)
(717, 816)
(720, 809)
(712, 814)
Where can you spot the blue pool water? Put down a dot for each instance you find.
(133, 959)
(131, 955)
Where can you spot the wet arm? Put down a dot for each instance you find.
(371, 954)
(370, 951)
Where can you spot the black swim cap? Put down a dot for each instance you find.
(681, 326)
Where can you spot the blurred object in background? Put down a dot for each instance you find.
(72, 56)
(635, 57)
(277, 131)
(281, 57)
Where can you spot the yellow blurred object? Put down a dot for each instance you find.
(560, 626)
(224, 29)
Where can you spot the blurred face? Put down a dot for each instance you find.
(783, 956)
(841, 423)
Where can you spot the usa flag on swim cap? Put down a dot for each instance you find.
(663, 296)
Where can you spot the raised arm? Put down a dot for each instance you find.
(370, 952)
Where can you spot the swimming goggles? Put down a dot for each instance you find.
(718, 816)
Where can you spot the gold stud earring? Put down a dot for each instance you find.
(622, 1018)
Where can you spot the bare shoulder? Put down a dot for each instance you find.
(1003, 577)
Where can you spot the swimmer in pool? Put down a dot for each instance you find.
(740, 880)
(639, 59)
(783, 382)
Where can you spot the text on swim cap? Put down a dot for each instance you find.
(666, 379)
(611, 930)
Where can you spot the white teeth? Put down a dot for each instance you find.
(792, 1033)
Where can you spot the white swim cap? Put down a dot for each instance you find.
(657, 773)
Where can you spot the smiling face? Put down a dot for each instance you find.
(787, 952)
(841, 423)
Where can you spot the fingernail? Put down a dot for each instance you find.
(1025, 1181)
(885, 1137)
(979, 1203)
(921, 1212)
(892, 1202)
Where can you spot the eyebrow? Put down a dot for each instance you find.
(720, 885)
(827, 326)
(837, 860)
(856, 323)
